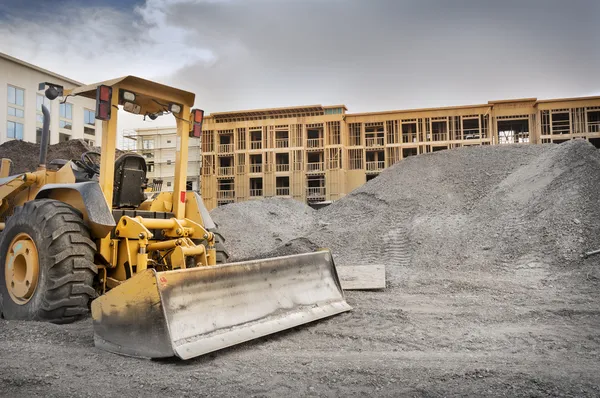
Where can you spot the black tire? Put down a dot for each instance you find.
(222, 254)
(66, 262)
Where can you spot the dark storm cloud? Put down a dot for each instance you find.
(375, 55)
(369, 54)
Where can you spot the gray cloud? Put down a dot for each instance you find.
(369, 54)
(376, 55)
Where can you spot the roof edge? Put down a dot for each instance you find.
(39, 69)
(444, 108)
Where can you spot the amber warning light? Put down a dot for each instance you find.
(197, 117)
(103, 96)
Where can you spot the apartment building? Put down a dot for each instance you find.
(20, 106)
(158, 146)
(320, 153)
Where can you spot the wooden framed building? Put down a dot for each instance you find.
(320, 153)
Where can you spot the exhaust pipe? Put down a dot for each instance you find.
(45, 138)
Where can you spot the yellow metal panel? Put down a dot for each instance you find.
(181, 161)
(139, 86)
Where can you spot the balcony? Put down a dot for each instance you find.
(314, 143)
(256, 168)
(315, 192)
(316, 167)
(255, 144)
(373, 141)
(226, 195)
(225, 148)
(439, 137)
(406, 138)
(282, 191)
(375, 166)
(225, 171)
(281, 143)
(255, 192)
(282, 167)
(593, 127)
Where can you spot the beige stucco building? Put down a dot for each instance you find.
(158, 146)
(320, 153)
(20, 106)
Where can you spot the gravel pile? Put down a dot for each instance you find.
(25, 155)
(255, 228)
(470, 208)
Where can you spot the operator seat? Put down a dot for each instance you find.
(130, 181)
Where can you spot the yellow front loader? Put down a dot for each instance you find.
(82, 230)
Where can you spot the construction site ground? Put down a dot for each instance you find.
(487, 293)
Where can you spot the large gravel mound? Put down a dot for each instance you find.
(485, 206)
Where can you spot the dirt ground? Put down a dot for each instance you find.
(487, 294)
(430, 334)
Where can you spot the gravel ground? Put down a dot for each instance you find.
(487, 294)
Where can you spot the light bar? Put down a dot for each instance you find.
(197, 118)
(103, 108)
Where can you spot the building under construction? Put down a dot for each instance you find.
(320, 153)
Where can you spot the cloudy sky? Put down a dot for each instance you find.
(368, 54)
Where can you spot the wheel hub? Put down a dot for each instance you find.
(22, 268)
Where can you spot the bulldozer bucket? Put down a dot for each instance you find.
(191, 312)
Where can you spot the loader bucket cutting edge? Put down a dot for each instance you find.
(195, 311)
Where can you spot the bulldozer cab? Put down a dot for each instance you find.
(149, 100)
(150, 264)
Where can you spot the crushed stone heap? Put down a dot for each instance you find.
(468, 208)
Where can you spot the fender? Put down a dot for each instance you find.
(206, 218)
(87, 197)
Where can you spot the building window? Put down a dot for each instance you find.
(16, 101)
(38, 135)
(16, 112)
(147, 144)
(89, 122)
(62, 137)
(89, 117)
(333, 111)
(16, 96)
(65, 124)
(41, 100)
(14, 130)
(66, 111)
(66, 116)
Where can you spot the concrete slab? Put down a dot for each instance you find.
(362, 277)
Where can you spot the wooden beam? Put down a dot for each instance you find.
(362, 277)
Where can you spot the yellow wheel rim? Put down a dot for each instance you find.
(22, 268)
